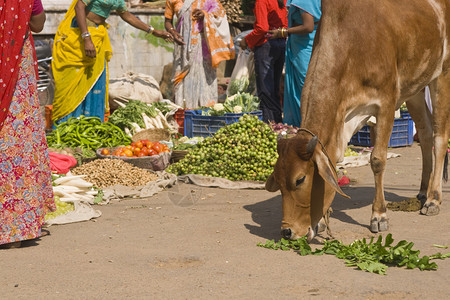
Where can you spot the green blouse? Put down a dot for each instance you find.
(103, 8)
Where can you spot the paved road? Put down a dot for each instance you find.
(170, 247)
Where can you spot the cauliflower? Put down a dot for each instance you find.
(218, 106)
(237, 109)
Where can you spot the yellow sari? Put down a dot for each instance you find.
(75, 73)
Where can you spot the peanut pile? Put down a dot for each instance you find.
(108, 172)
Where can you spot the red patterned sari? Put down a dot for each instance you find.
(26, 193)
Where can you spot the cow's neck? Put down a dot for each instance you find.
(328, 128)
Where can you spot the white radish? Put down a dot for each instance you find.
(128, 132)
(136, 127)
(164, 121)
(62, 180)
(67, 188)
(78, 182)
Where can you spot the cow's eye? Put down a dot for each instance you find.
(300, 181)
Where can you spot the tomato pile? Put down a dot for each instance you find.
(246, 150)
(140, 148)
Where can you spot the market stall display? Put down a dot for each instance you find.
(88, 133)
(108, 172)
(135, 116)
(73, 198)
(245, 150)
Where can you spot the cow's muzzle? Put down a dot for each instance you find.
(287, 233)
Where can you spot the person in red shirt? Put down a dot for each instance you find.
(269, 55)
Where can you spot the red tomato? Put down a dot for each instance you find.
(152, 152)
(137, 151)
(141, 154)
(157, 147)
(139, 144)
(145, 151)
(133, 144)
(128, 153)
(148, 144)
(105, 151)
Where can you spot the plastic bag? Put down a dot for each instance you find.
(244, 69)
(244, 65)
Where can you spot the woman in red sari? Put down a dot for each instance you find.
(26, 193)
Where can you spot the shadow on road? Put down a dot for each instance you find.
(268, 213)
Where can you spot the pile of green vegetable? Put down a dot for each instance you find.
(137, 115)
(87, 133)
(238, 103)
(245, 150)
(372, 256)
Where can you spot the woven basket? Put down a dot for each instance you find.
(177, 155)
(152, 134)
(155, 162)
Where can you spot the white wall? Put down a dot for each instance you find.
(133, 50)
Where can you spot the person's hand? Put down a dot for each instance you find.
(177, 36)
(243, 44)
(89, 47)
(198, 14)
(273, 34)
(163, 34)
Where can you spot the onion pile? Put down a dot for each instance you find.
(280, 128)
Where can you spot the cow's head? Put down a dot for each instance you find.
(308, 182)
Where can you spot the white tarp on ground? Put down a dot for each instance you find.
(360, 160)
(118, 192)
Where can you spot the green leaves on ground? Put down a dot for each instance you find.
(371, 256)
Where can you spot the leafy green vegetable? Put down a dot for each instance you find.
(162, 106)
(123, 117)
(372, 256)
(246, 101)
(239, 85)
(440, 246)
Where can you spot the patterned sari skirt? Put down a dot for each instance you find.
(26, 193)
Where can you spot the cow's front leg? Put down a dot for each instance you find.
(379, 220)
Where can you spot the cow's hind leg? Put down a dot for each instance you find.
(440, 94)
(385, 121)
(421, 116)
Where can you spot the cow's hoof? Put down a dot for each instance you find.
(430, 209)
(377, 225)
(422, 198)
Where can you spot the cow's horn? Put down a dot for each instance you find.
(311, 145)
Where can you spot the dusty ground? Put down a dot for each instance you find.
(170, 247)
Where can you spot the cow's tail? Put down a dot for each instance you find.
(445, 175)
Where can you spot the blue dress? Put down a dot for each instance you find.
(298, 55)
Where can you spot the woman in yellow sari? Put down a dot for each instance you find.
(203, 40)
(81, 53)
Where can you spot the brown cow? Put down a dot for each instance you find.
(369, 57)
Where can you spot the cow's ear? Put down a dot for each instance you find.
(271, 184)
(327, 171)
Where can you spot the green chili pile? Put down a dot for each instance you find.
(87, 132)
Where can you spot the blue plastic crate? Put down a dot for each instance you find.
(204, 126)
(402, 134)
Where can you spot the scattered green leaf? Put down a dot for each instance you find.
(372, 256)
